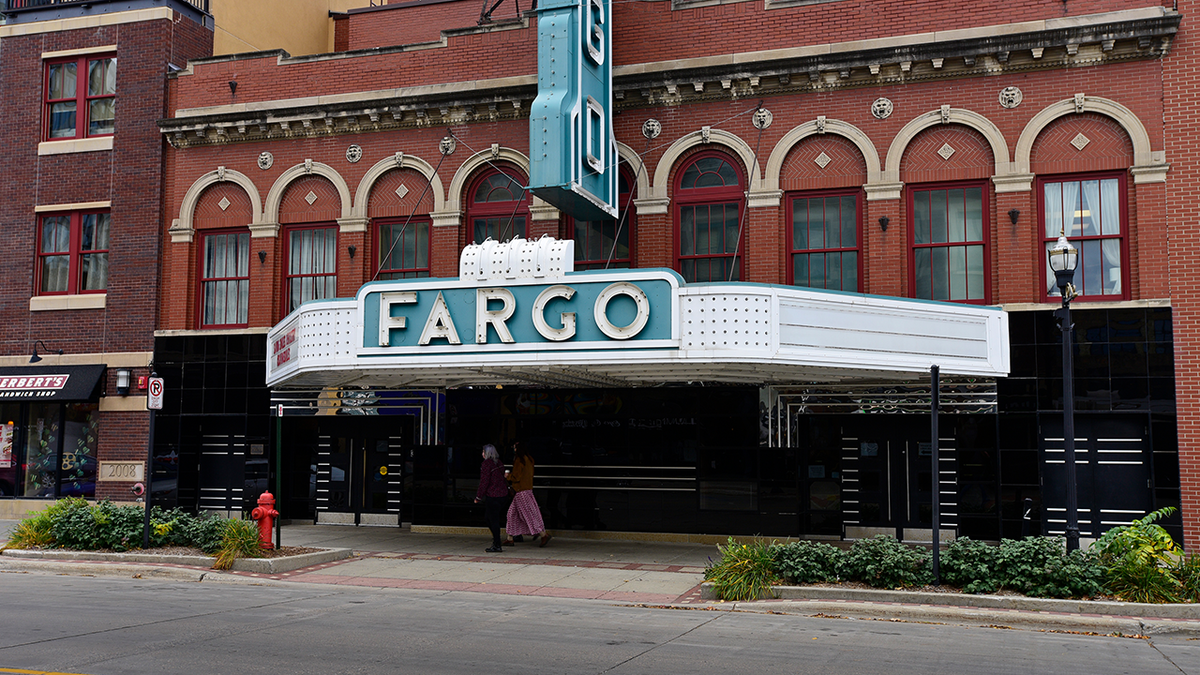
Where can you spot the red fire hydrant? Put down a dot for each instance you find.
(265, 514)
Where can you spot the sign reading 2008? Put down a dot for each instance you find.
(572, 152)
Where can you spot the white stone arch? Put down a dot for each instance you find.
(1149, 166)
(182, 229)
(655, 200)
(275, 195)
(641, 174)
(452, 215)
(774, 167)
(398, 161)
(891, 185)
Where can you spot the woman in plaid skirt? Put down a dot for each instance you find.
(524, 516)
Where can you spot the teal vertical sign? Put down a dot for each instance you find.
(572, 152)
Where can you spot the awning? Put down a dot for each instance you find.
(50, 383)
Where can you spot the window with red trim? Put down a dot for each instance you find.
(311, 264)
(1090, 210)
(605, 244)
(825, 241)
(709, 198)
(80, 97)
(225, 279)
(403, 247)
(73, 252)
(949, 243)
(499, 207)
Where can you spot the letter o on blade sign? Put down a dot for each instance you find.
(154, 397)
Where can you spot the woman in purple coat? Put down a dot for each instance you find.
(493, 492)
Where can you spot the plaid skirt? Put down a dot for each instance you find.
(524, 517)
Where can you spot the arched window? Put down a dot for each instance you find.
(606, 244)
(311, 267)
(709, 202)
(950, 242)
(403, 247)
(1090, 211)
(498, 207)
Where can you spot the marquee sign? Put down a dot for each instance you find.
(607, 313)
(572, 151)
(518, 313)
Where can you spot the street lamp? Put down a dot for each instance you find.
(1064, 258)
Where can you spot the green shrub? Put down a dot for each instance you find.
(1141, 560)
(203, 532)
(239, 539)
(74, 525)
(970, 565)
(806, 562)
(744, 572)
(1042, 567)
(1188, 573)
(883, 562)
(37, 529)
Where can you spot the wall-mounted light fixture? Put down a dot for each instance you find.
(262, 257)
(1013, 215)
(233, 87)
(883, 222)
(352, 249)
(35, 358)
(123, 376)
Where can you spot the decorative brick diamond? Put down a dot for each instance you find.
(945, 151)
(402, 190)
(224, 203)
(1080, 141)
(823, 160)
(310, 198)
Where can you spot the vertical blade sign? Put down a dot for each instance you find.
(572, 151)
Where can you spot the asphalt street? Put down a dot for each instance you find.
(114, 626)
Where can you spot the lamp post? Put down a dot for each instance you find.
(1063, 260)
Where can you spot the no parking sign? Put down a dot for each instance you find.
(154, 401)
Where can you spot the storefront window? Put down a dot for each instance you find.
(41, 450)
(9, 413)
(78, 477)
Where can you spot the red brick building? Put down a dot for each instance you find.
(812, 143)
(83, 85)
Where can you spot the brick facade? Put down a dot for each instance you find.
(128, 176)
(1131, 94)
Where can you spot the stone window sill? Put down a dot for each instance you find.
(45, 303)
(75, 145)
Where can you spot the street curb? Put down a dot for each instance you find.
(252, 565)
(1131, 626)
(965, 601)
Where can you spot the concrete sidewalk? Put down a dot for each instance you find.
(618, 570)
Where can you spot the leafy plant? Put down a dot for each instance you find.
(239, 539)
(883, 562)
(744, 572)
(806, 562)
(1042, 567)
(37, 529)
(1188, 572)
(74, 525)
(971, 565)
(1142, 560)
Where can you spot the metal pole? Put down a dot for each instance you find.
(936, 483)
(279, 477)
(149, 478)
(1069, 423)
